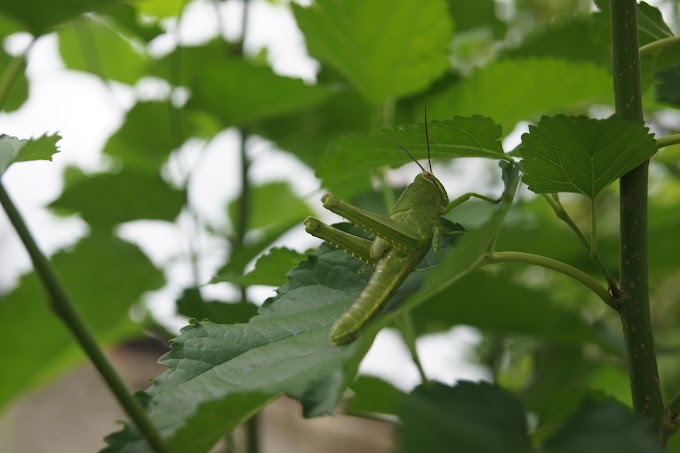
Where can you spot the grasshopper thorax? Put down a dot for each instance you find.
(429, 180)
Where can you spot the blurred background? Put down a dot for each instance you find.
(193, 135)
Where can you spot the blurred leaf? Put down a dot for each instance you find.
(270, 269)
(521, 89)
(192, 305)
(475, 298)
(18, 92)
(160, 8)
(469, 417)
(651, 26)
(105, 200)
(239, 92)
(604, 427)
(105, 277)
(384, 49)
(349, 162)
(14, 150)
(372, 396)
(271, 204)
(39, 16)
(93, 45)
(582, 155)
(477, 14)
(307, 134)
(668, 86)
(126, 17)
(152, 130)
(575, 40)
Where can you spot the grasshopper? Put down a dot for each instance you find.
(401, 241)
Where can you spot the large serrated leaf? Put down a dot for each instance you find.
(521, 89)
(104, 276)
(384, 49)
(285, 349)
(348, 163)
(14, 150)
(582, 155)
(469, 417)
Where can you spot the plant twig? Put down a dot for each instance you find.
(62, 305)
(668, 140)
(408, 334)
(555, 203)
(559, 266)
(635, 314)
(659, 44)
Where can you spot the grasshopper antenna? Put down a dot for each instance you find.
(427, 139)
(409, 153)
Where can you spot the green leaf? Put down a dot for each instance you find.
(306, 134)
(105, 277)
(105, 200)
(384, 49)
(18, 92)
(668, 86)
(374, 396)
(161, 8)
(519, 89)
(152, 130)
(349, 162)
(93, 44)
(14, 150)
(582, 155)
(477, 14)
(479, 298)
(126, 17)
(271, 204)
(469, 417)
(651, 26)
(604, 427)
(270, 269)
(192, 305)
(220, 374)
(239, 92)
(39, 16)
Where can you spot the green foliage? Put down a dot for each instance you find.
(475, 136)
(582, 155)
(105, 276)
(192, 305)
(382, 55)
(40, 16)
(14, 150)
(270, 269)
(18, 92)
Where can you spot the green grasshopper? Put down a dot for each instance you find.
(401, 241)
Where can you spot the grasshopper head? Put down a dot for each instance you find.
(442, 196)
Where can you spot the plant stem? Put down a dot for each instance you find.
(252, 434)
(659, 45)
(549, 263)
(635, 313)
(61, 304)
(668, 140)
(555, 203)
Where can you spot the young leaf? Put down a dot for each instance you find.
(521, 89)
(582, 155)
(105, 200)
(469, 417)
(348, 163)
(270, 269)
(372, 43)
(374, 396)
(92, 44)
(105, 276)
(14, 150)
